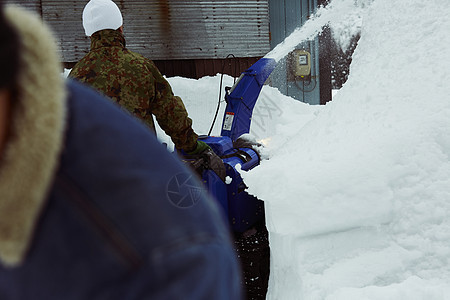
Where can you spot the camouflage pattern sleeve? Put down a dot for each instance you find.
(171, 114)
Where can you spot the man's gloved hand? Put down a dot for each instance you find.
(211, 159)
(201, 146)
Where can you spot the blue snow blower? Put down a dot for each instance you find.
(245, 213)
(243, 210)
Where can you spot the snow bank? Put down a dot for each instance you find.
(358, 199)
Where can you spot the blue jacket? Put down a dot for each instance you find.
(124, 219)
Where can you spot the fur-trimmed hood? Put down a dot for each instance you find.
(35, 142)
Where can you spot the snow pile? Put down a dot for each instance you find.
(200, 98)
(358, 200)
(273, 112)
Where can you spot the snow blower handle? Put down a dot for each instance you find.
(205, 160)
(214, 163)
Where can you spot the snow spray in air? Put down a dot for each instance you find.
(335, 14)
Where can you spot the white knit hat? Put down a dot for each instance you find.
(101, 14)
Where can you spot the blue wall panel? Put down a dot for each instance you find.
(285, 17)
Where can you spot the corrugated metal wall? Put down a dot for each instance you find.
(168, 29)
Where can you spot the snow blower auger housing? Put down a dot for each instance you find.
(243, 210)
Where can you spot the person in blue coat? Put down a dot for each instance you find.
(92, 206)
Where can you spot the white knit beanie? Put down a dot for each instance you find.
(101, 14)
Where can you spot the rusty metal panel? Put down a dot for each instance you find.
(197, 29)
(168, 29)
(64, 17)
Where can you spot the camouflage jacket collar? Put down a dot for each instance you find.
(107, 38)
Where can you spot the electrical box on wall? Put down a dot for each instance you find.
(299, 65)
(302, 65)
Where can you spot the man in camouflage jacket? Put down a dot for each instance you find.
(135, 83)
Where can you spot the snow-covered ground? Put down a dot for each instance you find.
(357, 192)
